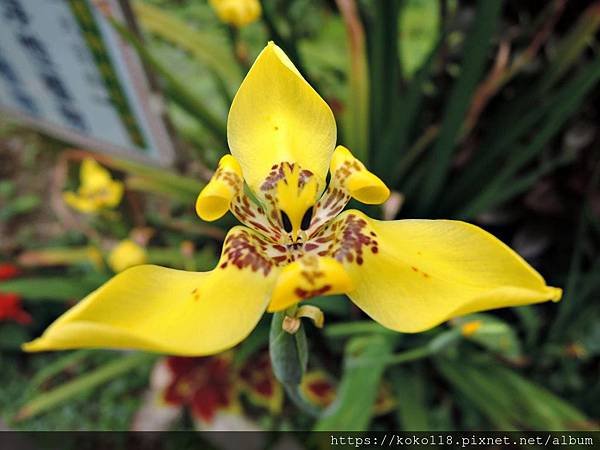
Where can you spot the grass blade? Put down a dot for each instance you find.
(475, 55)
(353, 407)
(48, 400)
(176, 88)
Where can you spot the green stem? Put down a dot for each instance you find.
(296, 397)
(410, 355)
(350, 328)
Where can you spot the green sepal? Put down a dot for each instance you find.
(289, 352)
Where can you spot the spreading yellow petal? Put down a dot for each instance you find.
(411, 275)
(277, 116)
(171, 311)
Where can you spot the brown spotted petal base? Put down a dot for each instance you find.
(295, 232)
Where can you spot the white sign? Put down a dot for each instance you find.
(64, 69)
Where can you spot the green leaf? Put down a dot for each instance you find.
(258, 339)
(474, 58)
(357, 114)
(20, 205)
(202, 45)
(338, 330)
(507, 399)
(66, 360)
(142, 184)
(178, 90)
(160, 179)
(52, 288)
(364, 364)
(410, 389)
(384, 65)
(289, 354)
(48, 400)
(571, 47)
(480, 393)
(12, 335)
(336, 305)
(491, 333)
(419, 31)
(564, 105)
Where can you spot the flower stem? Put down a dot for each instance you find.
(410, 355)
(296, 397)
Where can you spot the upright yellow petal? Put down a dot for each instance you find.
(276, 116)
(171, 311)
(411, 275)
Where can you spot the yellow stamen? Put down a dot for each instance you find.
(313, 313)
(296, 194)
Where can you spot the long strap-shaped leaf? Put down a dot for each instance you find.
(48, 400)
(475, 55)
(365, 362)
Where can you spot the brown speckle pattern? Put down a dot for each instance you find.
(347, 238)
(243, 249)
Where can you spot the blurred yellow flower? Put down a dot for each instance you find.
(126, 254)
(238, 13)
(470, 328)
(97, 190)
(408, 275)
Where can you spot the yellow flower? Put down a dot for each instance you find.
(97, 190)
(126, 254)
(408, 275)
(238, 13)
(470, 328)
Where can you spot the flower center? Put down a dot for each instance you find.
(291, 193)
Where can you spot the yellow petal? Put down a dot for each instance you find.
(349, 179)
(113, 194)
(214, 200)
(276, 116)
(411, 275)
(92, 175)
(79, 203)
(308, 277)
(171, 311)
(352, 175)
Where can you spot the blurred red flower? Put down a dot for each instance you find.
(203, 384)
(211, 384)
(8, 271)
(10, 303)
